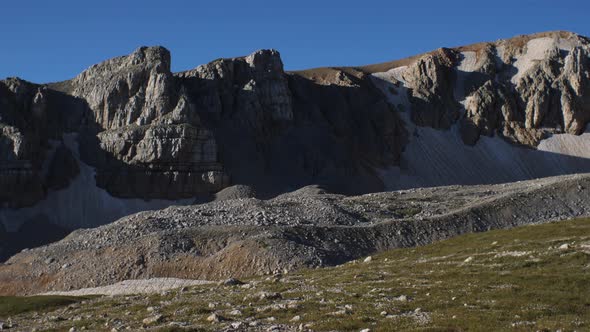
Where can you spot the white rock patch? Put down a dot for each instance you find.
(566, 144)
(536, 49)
(512, 254)
(139, 286)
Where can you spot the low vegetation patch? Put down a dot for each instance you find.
(14, 305)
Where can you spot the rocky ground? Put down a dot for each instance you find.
(531, 278)
(305, 228)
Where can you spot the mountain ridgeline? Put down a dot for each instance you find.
(128, 134)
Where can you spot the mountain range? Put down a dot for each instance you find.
(241, 142)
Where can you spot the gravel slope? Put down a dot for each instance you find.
(306, 228)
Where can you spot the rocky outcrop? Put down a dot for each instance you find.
(486, 109)
(133, 89)
(574, 85)
(150, 142)
(159, 161)
(430, 82)
(150, 133)
(292, 129)
(20, 181)
(553, 93)
(523, 89)
(31, 118)
(252, 89)
(192, 134)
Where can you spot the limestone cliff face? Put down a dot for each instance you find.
(147, 141)
(431, 89)
(153, 134)
(278, 131)
(523, 89)
(133, 89)
(31, 117)
(252, 89)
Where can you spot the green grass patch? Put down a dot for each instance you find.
(14, 305)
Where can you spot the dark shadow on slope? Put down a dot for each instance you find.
(35, 115)
(33, 233)
(337, 136)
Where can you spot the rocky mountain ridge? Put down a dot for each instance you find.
(143, 137)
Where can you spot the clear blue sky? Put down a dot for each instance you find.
(46, 41)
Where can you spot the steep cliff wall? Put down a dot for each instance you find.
(128, 135)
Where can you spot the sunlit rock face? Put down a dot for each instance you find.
(523, 89)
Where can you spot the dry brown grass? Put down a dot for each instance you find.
(241, 258)
(514, 43)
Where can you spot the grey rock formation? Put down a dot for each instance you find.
(431, 89)
(524, 89)
(133, 89)
(31, 117)
(146, 133)
(291, 130)
(253, 89)
(159, 161)
(147, 145)
(150, 134)
(485, 110)
(574, 86)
